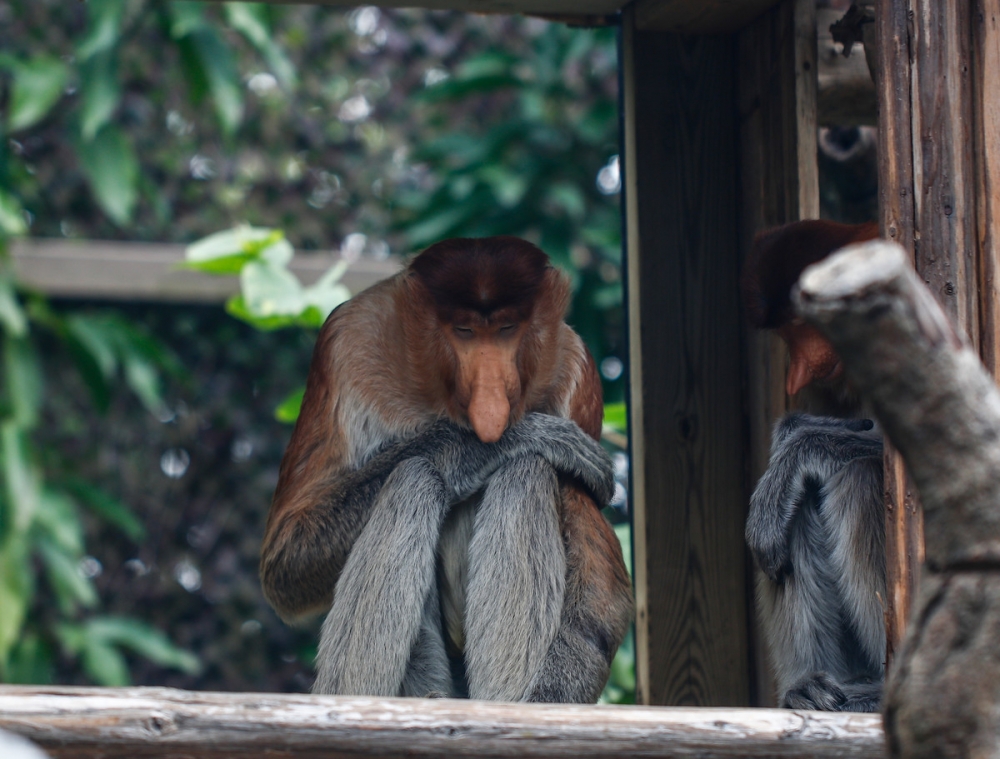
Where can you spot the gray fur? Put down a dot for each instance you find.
(516, 580)
(380, 599)
(816, 530)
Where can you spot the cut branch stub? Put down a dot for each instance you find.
(925, 384)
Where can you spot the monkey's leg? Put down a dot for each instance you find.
(596, 611)
(428, 672)
(379, 600)
(517, 573)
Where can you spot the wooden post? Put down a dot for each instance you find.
(932, 114)
(689, 451)
(777, 115)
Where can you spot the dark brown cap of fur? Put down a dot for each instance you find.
(481, 274)
(778, 258)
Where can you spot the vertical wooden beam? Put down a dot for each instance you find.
(986, 108)
(777, 65)
(686, 413)
(904, 544)
(930, 188)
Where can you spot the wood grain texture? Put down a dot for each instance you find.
(986, 109)
(689, 484)
(87, 723)
(779, 183)
(135, 271)
(904, 520)
(698, 16)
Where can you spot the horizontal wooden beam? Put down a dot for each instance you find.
(168, 723)
(697, 16)
(149, 271)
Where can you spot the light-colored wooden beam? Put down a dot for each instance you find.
(149, 271)
(86, 723)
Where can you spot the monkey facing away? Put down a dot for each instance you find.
(816, 526)
(440, 493)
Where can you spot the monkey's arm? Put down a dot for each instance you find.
(314, 525)
(806, 451)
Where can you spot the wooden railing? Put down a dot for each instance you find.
(86, 723)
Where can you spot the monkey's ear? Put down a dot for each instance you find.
(553, 298)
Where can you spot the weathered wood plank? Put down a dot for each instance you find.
(904, 520)
(986, 108)
(777, 108)
(166, 723)
(686, 419)
(148, 271)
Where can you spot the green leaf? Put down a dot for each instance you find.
(71, 589)
(327, 293)
(103, 29)
(112, 169)
(109, 508)
(228, 251)
(38, 85)
(237, 308)
(58, 521)
(616, 415)
(31, 661)
(270, 290)
(12, 316)
(104, 664)
(24, 381)
(143, 640)
(185, 18)
(288, 410)
(218, 71)
(144, 380)
(101, 93)
(12, 221)
(15, 593)
(21, 480)
(250, 20)
(94, 337)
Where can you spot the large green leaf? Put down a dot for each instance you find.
(15, 593)
(20, 478)
(103, 29)
(100, 92)
(71, 589)
(143, 640)
(228, 251)
(112, 169)
(250, 19)
(109, 508)
(12, 221)
(23, 379)
(58, 521)
(104, 664)
(211, 69)
(12, 318)
(38, 85)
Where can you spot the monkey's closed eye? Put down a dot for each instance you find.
(506, 329)
(465, 332)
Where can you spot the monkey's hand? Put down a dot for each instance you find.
(806, 451)
(466, 463)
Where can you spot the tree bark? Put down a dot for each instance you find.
(941, 409)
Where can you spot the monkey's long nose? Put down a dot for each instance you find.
(489, 409)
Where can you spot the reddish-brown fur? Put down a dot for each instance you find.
(776, 261)
(385, 367)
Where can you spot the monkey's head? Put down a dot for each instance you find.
(776, 261)
(497, 304)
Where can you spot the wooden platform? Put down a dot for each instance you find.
(162, 722)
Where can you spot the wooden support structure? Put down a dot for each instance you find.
(124, 723)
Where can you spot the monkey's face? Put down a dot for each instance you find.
(811, 357)
(487, 382)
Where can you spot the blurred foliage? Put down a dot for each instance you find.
(42, 503)
(370, 131)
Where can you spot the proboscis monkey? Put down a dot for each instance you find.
(440, 494)
(816, 526)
